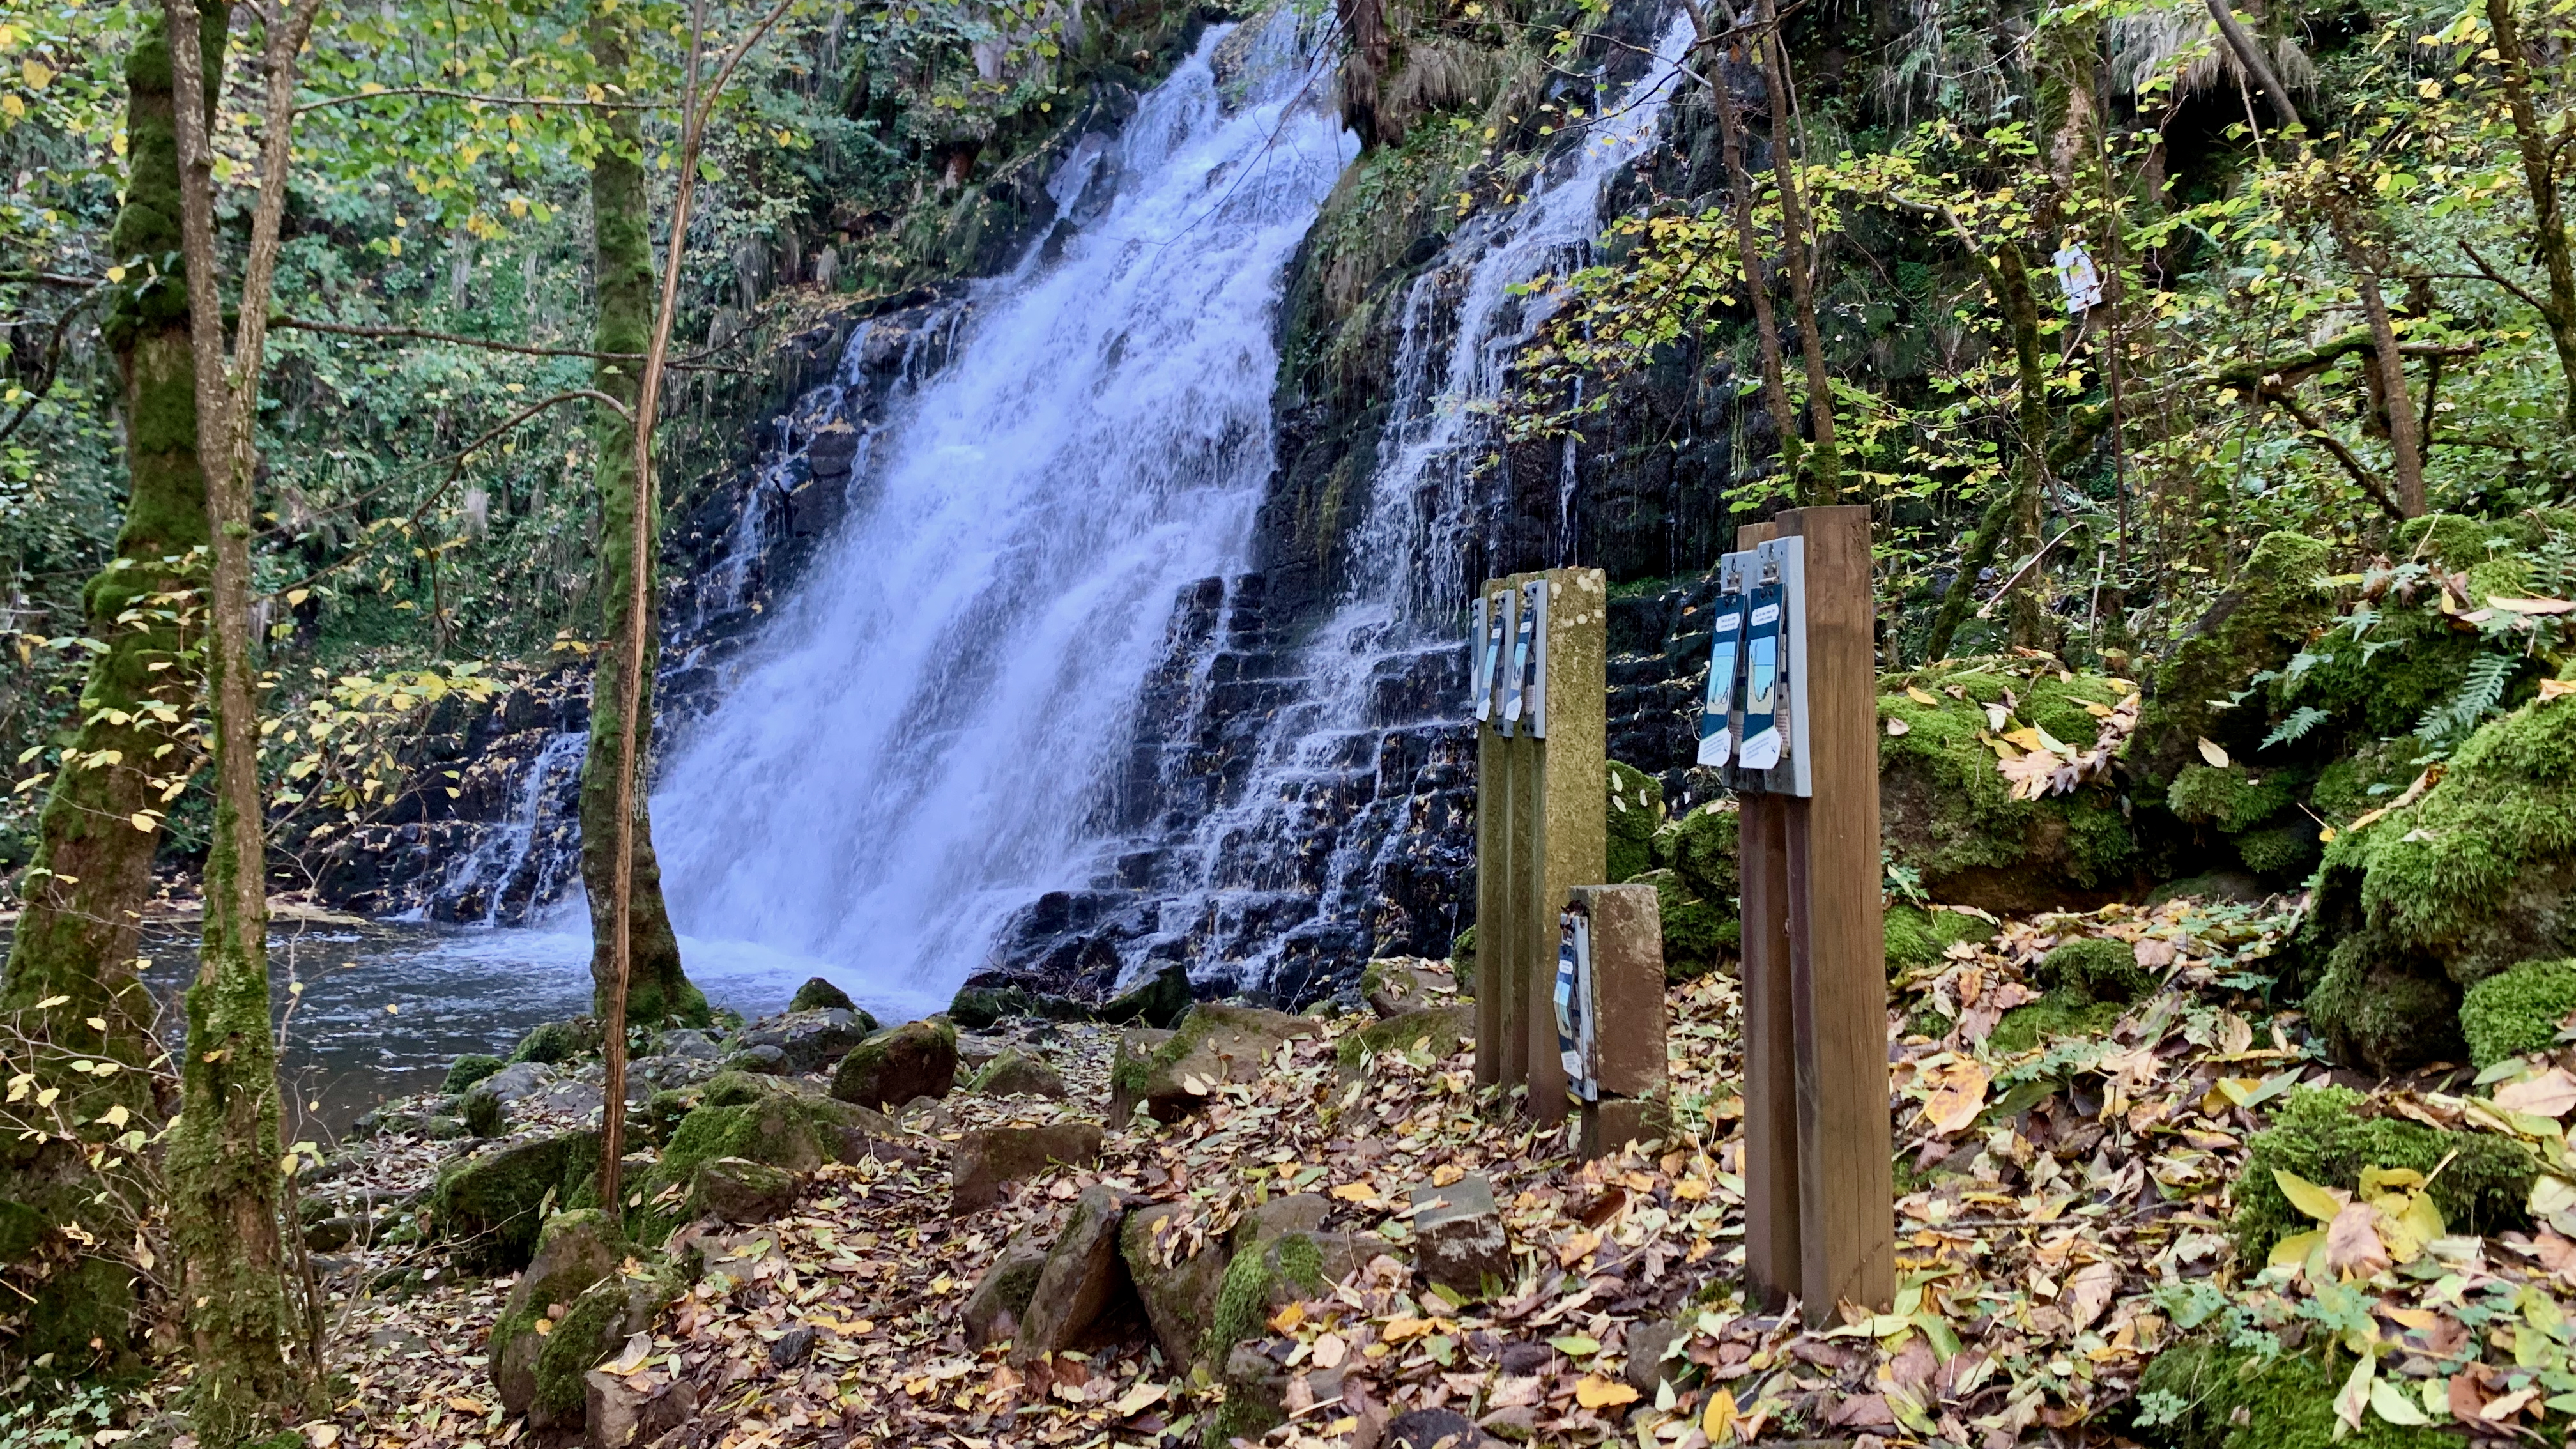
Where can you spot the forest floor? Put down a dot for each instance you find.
(2063, 1215)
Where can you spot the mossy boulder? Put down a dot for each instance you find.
(1160, 1000)
(993, 1310)
(2278, 602)
(1214, 1044)
(2233, 800)
(2222, 1397)
(818, 994)
(1917, 937)
(2048, 1019)
(1015, 1073)
(1462, 955)
(739, 1190)
(574, 1251)
(918, 1059)
(1699, 936)
(1394, 985)
(1129, 1068)
(489, 1207)
(1947, 812)
(1635, 814)
(469, 1069)
(606, 1314)
(765, 1121)
(553, 1042)
(2382, 1017)
(978, 1008)
(1437, 1030)
(1700, 848)
(2472, 877)
(2282, 855)
(2517, 1011)
(2328, 1135)
(1179, 1290)
(1281, 1254)
(2090, 969)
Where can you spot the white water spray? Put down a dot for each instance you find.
(916, 747)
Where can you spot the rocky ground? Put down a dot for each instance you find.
(2134, 1207)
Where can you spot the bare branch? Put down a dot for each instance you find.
(2314, 430)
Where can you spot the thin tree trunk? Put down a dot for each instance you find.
(1748, 252)
(224, 1153)
(2548, 215)
(84, 891)
(2406, 457)
(616, 820)
(1826, 463)
(2030, 468)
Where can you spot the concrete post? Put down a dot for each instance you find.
(1631, 1073)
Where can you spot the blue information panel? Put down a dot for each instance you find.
(1725, 668)
(1762, 737)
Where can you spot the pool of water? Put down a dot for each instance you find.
(385, 1006)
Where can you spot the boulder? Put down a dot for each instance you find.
(765, 1121)
(810, 1040)
(993, 1310)
(818, 994)
(1697, 937)
(1635, 813)
(690, 1042)
(766, 1060)
(1214, 1044)
(986, 1159)
(1700, 849)
(484, 1115)
(1433, 1429)
(1179, 1290)
(576, 1250)
(1646, 1366)
(1459, 1243)
(893, 1067)
(739, 1190)
(671, 1072)
(1159, 1001)
(558, 1041)
(1394, 985)
(487, 1205)
(1281, 1253)
(602, 1319)
(1083, 1286)
(1013, 1074)
(1128, 1069)
(469, 1069)
(1437, 1030)
(622, 1412)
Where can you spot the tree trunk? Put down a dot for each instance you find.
(656, 989)
(224, 1150)
(1826, 461)
(2406, 457)
(2030, 468)
(77, 936)
(1748, 252)
(2548, 216)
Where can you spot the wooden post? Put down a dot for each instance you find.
(1772, 1268)
(1838, 962)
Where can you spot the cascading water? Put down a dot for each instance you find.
(1293, 877)
(923, 737)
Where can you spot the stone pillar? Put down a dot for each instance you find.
(1626, 1005)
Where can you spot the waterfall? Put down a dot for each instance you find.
(1334, 806)
(924, 737)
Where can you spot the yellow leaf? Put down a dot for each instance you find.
(2027, 737)
(2554, 688)
(36, 73)
(1719, 1422)
(1595, 1392)
(464, 1405)
(1137, 1400)
(12, 107)
(2216, 757)
(117, 274)
(1954, 1105)
(1919, 695)
(2320, 1203)
(2294, 1249)
(142, 822)
(1356, 1192)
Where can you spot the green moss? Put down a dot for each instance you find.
(2233, 799)
(2380, 1016)
(1948, 810)
(782, 1128)
(556, 1041)
(2234, 1398)
(2048, 1018)
(818, 994)
(2517, 1011)
(2281, 855)
(2325, 1135)
(1440, 1030)
(1698, 936)
(2369, 777)
(977, 1008)
(1462, 956)
(2090, 969)
(490, 1206)
(1636, 812)
(1700, 848)
(484, 1115)
(1917, 937)
(469, 1069)
(588, 1332)
(2258, 625)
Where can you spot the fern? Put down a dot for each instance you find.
(2481, 689)
(2296, 727)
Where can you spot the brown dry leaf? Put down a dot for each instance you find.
(2352, 1242)
(2089, 1294)
(2216, 756)
(2551, 1094)
(1956, 1101)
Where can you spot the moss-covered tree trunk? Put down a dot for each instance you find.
(2030, 466)
(656, 989)
(224, 1149)
(72, 960)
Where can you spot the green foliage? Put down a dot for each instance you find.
(2517, 1011)
(2325, 1135)
(1917, 937)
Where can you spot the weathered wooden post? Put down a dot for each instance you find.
(1819, 1197)
(1541, 785)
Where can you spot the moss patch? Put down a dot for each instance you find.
(1917, 937)
(1635, 814)
(1701, 848)
(2380, 1016)
(1699, 936)
(2235, 1398)
(469, 1069)
(2092, 970)
(491, 1206)
(2324, 1135)
(2258, 625)
(2048, 1018)
(2234, 799)
(2517, 1011)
